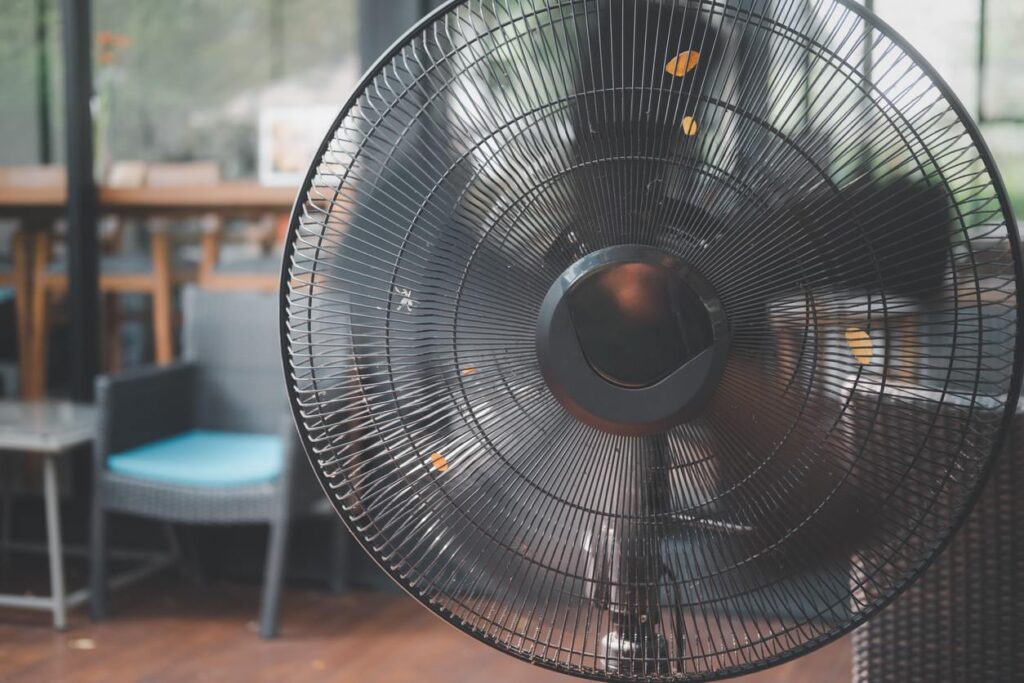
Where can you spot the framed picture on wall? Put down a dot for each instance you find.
(288, 139)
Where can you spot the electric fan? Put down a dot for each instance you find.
(651, 339)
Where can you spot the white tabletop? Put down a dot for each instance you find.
(48, 426)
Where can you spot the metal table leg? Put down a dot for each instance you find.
(53, 542)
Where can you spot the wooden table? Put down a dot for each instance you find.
(223, 198)
(37, 202)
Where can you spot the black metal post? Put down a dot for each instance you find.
(982, 49)
(43, 82)
(83, 292)
(381, 23)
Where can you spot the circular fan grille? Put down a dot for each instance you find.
(850, 226)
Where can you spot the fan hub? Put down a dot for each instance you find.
(632, 340)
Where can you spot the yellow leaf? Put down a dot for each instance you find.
(689, 126)
(468, 371)
(439, 462)
(860, 345)
(683, 63)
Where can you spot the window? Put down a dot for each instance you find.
(174, 80)
(983, 62)
(31, 124)
(187, 80)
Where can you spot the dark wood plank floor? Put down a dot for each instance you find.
(169, 630)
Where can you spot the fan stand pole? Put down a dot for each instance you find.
(635, 645)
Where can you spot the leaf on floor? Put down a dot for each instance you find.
(82, 644)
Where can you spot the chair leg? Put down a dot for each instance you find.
(98, 560)
(54, 546)
(7, 526)
(340, 551)
(173, 545)
(273, 576)
(112, 332)
(162, 309)
(191, 559)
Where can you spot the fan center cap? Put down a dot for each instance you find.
(637, 322)
(632, 340)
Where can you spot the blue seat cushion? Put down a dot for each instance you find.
(203, 458)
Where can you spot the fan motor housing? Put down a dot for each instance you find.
(632, 340)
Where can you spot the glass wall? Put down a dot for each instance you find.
(949, 34)
(1003, 70)
(175, 81)
(31, 125)
(191, 79)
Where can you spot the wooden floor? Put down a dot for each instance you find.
(169, 630)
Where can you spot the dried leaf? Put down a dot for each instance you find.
(82, 644)
(683, 63)
(439, 462)
(860, 345)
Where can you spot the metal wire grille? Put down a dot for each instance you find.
(803, 160)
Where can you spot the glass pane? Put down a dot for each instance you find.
(946, 33)
(1007, 143)
(1004, 60)
(178, 81)
(29, 82)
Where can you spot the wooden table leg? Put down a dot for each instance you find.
(53, 541)
(22, 309)
(35, 387)
(210, 253)
(163, 329)
(112, 332)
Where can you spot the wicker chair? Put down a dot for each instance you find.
(205, 441)
(964, 620)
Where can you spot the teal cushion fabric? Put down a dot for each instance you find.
(203, 458)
